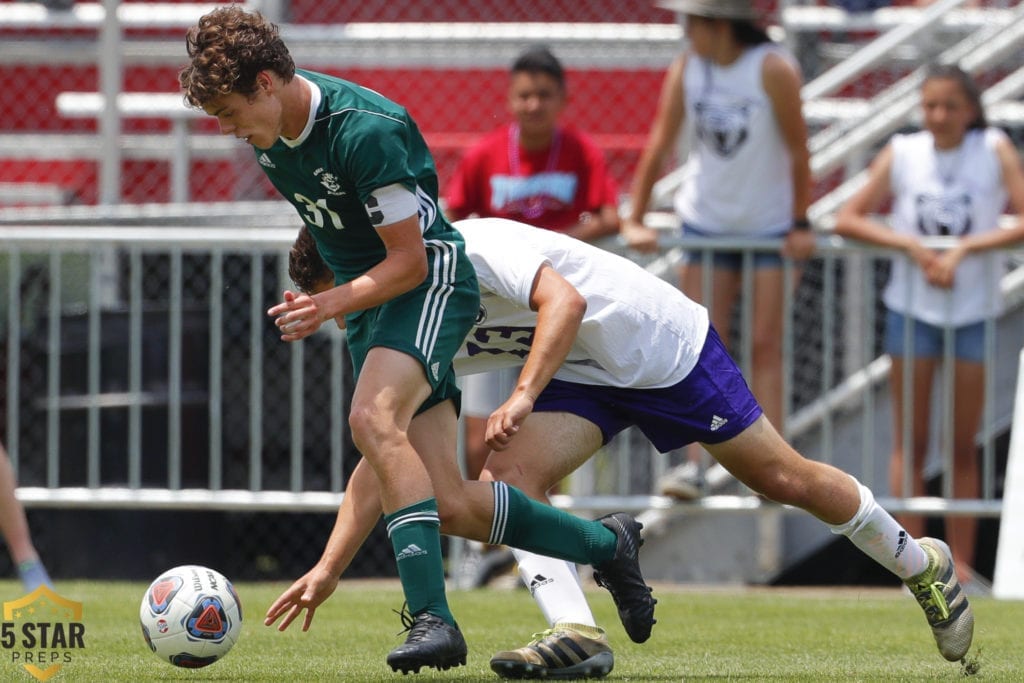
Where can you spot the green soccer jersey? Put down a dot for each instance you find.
(358, 142)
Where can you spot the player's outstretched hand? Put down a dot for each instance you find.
(307, 593)
(297, 316)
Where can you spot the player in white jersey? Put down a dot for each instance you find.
(951, 179)
(606, 346)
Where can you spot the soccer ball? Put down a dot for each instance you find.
(190, 616)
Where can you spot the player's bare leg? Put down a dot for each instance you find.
(495, 512)
(14, 526)
(762, 460)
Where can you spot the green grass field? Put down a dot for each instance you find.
(711, 634)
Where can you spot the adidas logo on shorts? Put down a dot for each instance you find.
(717, 422)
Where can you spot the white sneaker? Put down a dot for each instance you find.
(718, 478)
(682, 482)
(687, 482)
(464, 576)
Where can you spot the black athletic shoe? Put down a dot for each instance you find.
(431, 642)
(622, 577)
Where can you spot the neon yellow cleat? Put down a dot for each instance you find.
(944, 603)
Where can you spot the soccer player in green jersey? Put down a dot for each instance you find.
(361, 177)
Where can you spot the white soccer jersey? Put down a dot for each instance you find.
(639, 331)
(951, 193)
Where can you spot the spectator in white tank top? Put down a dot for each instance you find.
(954, 179)
(748, 175)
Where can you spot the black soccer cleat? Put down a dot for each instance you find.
(431, 642)
(622, 577)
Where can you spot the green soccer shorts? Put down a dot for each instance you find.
(429, 323)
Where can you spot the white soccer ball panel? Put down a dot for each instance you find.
(190, 616)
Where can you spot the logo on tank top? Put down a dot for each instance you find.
(723, 127)
(946, 214)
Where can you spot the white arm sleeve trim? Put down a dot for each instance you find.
(390, 204)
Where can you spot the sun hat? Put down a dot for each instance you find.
(714, 9)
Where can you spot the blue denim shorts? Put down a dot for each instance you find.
(968, 341)
(729, 260)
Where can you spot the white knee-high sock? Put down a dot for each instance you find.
(555, 586)
(882, 538)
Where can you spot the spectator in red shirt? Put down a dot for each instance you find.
(536, 169)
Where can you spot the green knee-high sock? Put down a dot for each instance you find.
(524, 523)
(416, 540)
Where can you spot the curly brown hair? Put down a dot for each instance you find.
(305, 265)
(228, 48)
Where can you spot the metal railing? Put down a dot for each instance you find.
(142, 372)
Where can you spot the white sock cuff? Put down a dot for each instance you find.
(867, 502)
